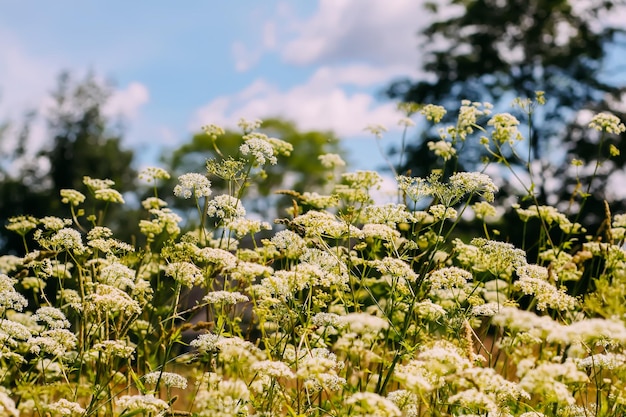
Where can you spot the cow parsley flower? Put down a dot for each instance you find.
(56, 342)
(406, 401)
(118, 275)
(389, 214)
(449, 277)
(115, 348)
(505, 128)
(21, 224)
(55, 223)
(366, 404)
(273, 369)
(259, 148)
(109, 299)
(319, 367)
(152, 174)
(185, 273)
(225, 297)
(52, 317)
(443, 149)
(109, 195)
(376, 129)
(249, 125)
(67, 239)
(225, 207)
(165, 221)
(73, 197)
(533, 281)
(474, 183)
(64, 408)
(242, 226)
(194, 184)
(146, 403)
(9, 297)
(169, 379)
(607, 122)
(331, 160)
(97, 184)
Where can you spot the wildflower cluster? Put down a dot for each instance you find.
(344, 307)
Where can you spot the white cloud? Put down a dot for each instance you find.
(334, 99)
(372, 31)
(127, 102)
(24, 78)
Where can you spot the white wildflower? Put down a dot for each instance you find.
(185, 273)
(367, 404)
(225, 207)
(193, 184)
(225, 297)
(146, 403)
(169, 379)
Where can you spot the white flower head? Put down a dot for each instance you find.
(194, 184)
(259, 148)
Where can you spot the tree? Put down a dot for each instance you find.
(495, 51)
(81, 142)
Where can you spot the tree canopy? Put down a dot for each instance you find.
(79, 141)
(494, 51)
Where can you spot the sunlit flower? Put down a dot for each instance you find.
(443, 149)
(73, 197)
(607, 122)
(259, 148)
(225, 207)
(152, 174)
(331, 160)
(194, 184)
(169, 379)
(146, 403)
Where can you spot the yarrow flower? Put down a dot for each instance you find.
(194, 184)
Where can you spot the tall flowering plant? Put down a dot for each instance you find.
(345, 306)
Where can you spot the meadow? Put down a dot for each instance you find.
(342, 306)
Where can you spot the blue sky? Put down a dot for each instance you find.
(322, 64)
